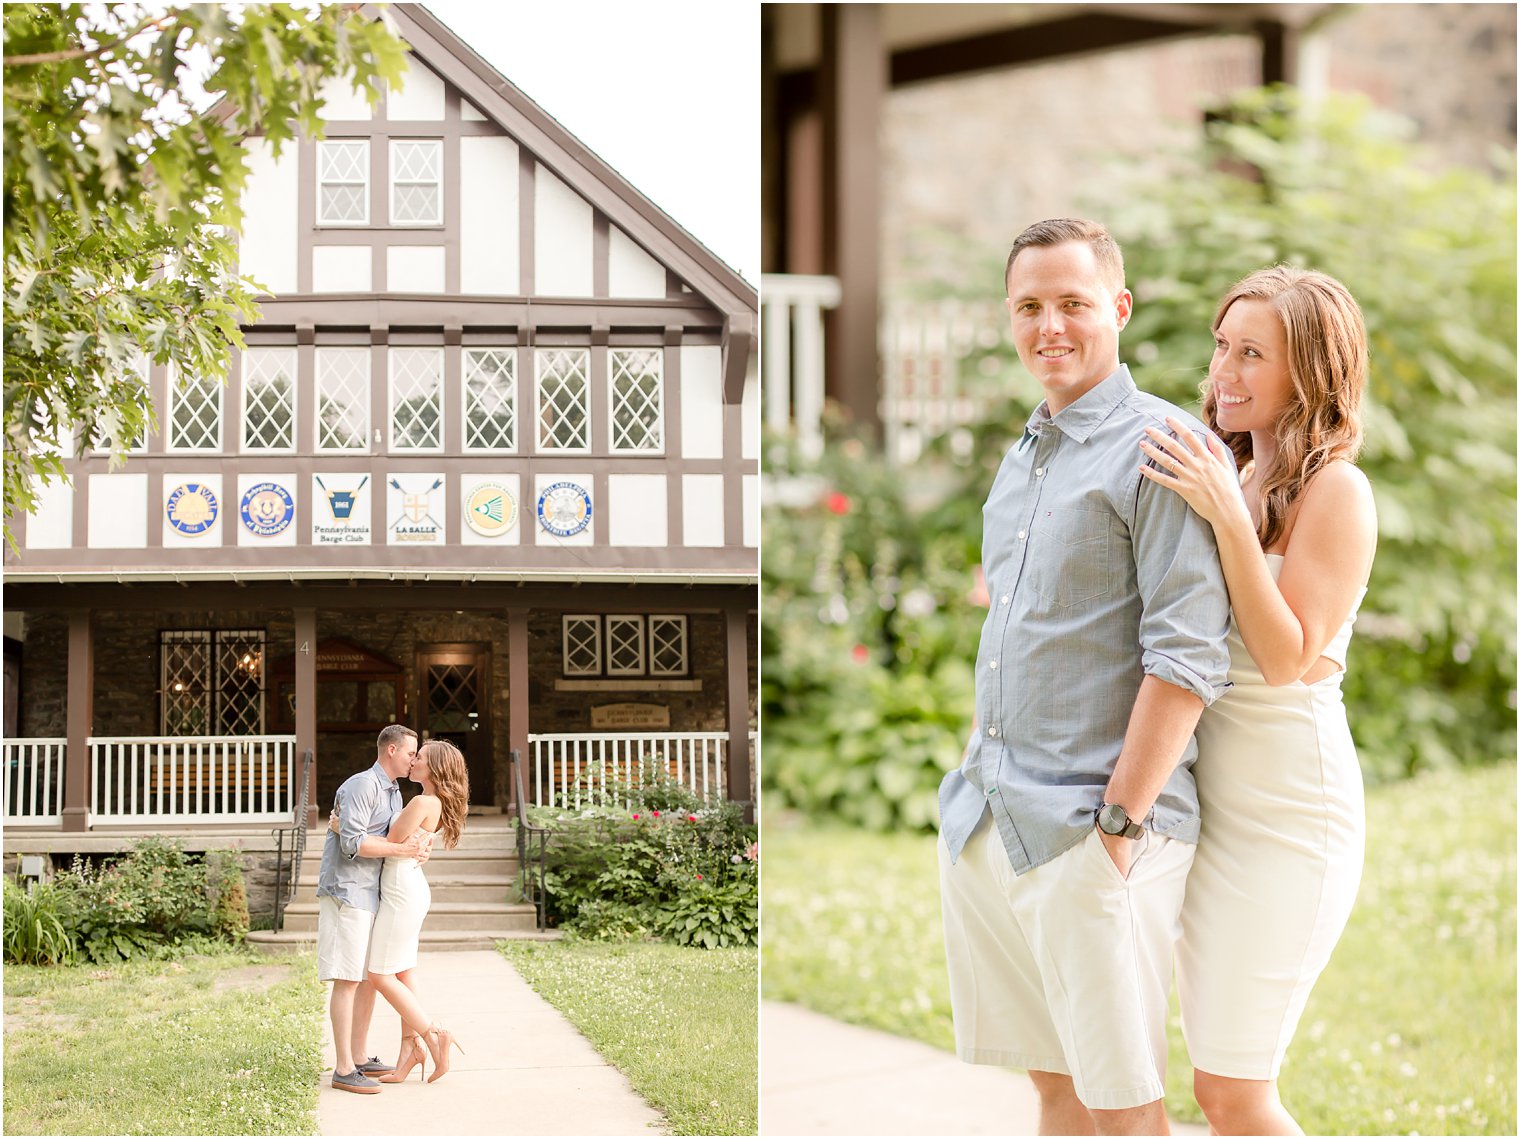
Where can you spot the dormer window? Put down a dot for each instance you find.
(343, 182)
(416, 181)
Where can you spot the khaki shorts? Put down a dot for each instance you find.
(1065, 968)
(342, 940)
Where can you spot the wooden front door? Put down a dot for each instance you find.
(454, 704)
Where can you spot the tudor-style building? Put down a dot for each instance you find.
(488, 466)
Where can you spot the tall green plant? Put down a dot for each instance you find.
(35, 932)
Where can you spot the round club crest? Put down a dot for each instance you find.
(490, 510)
(564, 509)
(267, 509)
(192, 508)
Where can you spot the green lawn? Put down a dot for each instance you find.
(1410, 1030)
(680, 1023)
(221, 1045)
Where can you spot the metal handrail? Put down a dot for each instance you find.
(283, 897)
(525, 835)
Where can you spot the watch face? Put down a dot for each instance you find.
(1111, 819)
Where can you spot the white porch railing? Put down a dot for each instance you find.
(791, 313)
(33, 781)
(193, 779)
(570, 769)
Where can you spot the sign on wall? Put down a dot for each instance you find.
(192, 510)
(266, 510)
(563, 507)
(340, 509)
(491, 509)
(630, 716)
(415, 510)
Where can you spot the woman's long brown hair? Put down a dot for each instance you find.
(1327, 364)
(451, 783)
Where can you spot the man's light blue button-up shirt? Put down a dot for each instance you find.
(1097, 578)
(368, 804)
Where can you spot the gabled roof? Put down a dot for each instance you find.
(573, 162)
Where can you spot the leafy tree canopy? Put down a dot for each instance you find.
(122, 195)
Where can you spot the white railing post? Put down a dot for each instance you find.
(792, 313)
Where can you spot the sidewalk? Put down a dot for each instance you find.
(527, 1071)
(821, 1077)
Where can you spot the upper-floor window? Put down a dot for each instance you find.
(416, 399)
(269, 399)
(416, 181)
(638, 422)
(195, 414)
(342, 399)
(490, 399)
(343, 181)
(563, 399)
(135, 372)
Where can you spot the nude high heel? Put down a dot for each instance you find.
(417, 1054)
(440, 1050)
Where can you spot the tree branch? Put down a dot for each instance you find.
(156, 23)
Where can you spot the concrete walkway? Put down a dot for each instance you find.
(821, 1077)
(527, 1071)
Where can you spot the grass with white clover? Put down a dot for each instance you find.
(680, 1023)
(228, 1044)
(1411, 1029)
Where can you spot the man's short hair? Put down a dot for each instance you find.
(393, 734)
(1058, 231)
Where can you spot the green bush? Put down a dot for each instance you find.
(614, 873)
(154, 901)
(35, 932)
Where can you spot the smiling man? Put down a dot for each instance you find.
(1070, 826)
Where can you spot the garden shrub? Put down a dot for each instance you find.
(615, 872)
(229, 907)
(35, 931)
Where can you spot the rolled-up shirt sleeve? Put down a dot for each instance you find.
(1186, 608)
(354, 815)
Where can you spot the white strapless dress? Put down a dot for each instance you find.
(404, 900)
(1278, 863)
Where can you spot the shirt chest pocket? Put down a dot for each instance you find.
(1069, 557)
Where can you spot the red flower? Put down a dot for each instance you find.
(635, 816)
(861, 654)
(656, 814)
(699, 877)
(691, 818)
(837, 503)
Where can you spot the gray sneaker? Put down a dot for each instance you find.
(355, 1081)
(374, 1066)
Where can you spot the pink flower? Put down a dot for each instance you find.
(837, 503)
(635, 816)
(861, 654)
(699, 877)
(656, 814)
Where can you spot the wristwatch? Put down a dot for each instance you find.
(1113, 820)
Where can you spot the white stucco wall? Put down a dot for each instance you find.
(701, 401)
(488, 208)
(51, 525)
(636, 510)
(561, 238)
(342, 269)
(702, 510)
(119, 511)
(630, 271)
(421, 100)
(414, 269)
(267, 250)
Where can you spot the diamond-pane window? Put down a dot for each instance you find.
(637, 418)
(490, 399)
(564, 399)
(195, 417)
(135, 373)
(667, 645)
(185, 682)
(416, 182)
(342, 399)
(240, 682)
(582, 645)
(416, 399)
(343, 182)
(625, 646)
(269, 399)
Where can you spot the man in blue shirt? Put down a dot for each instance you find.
(1070, 826)
(348, 896)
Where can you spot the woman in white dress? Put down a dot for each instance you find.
(1280, 857)
(439, 810)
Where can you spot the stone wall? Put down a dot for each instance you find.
(980, 157)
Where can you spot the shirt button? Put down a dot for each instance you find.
(1021, 535)
(992, 731)
(1039, 472)
(992, 664)
(1003, 600)
(991, 791)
